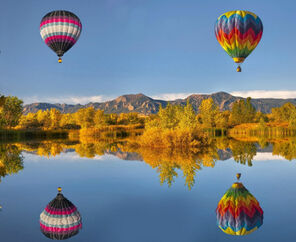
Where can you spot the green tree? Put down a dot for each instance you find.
(249, 111)
(292, 119)
(285, 113)
(242, 112)
(10, 111)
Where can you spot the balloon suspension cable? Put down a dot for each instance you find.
(238, 176)
(59, 189)
(60, 60)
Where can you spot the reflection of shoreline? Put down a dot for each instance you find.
(133, 156)
(167, 162)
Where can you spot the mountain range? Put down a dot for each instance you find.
(143, 104)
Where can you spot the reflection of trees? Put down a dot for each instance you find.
(287, 149)
(47, 148)
(168, 162)
(11, 160)
(262, 141)
(243, 152)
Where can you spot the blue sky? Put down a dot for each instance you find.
(162, 48)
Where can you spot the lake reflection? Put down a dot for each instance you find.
(11, 159)
(167, 162)
(116, 187)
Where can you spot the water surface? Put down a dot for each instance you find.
(131, 195)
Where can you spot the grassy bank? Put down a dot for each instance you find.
(114, 131)
(266, 130)
(19, 135)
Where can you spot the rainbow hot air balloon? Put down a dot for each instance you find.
(60, 30)
(60, 219)
(238, 32)
(238, 212)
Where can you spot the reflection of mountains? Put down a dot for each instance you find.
(125, 155)
(223, 155)
(134, 156)
(227, 153)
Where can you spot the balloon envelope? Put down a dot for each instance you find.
(60, 219)
(238, 32)
(60, 30)
(238, 212)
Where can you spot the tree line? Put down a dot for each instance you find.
(172, 117)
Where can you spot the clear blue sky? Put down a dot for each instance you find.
(148, 46)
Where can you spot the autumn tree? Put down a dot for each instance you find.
(55, 118)
(207, 113)
(68, 121)
(111, 119)
(221, 119)
(43, 118)
(168, 116)
(85, 117)
(187, 117)
(284, 113)
(28, 121)
(260, 116)
(99, 118)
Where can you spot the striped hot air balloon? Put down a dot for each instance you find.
(60, 219)
(238, 212)
(60, 30)
(238, 32)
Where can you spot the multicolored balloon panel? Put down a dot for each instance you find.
(60, 30)
(238, 212)
(238, 32)
(60, 219)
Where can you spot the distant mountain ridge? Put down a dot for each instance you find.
(143, 104)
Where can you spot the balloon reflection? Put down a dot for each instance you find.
(60, 219)
(238, 212)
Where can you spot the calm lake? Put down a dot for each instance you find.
(129, 195)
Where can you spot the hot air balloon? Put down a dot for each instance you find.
(60, 30)
(238, 32)
(60, 219)
(238, 212)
